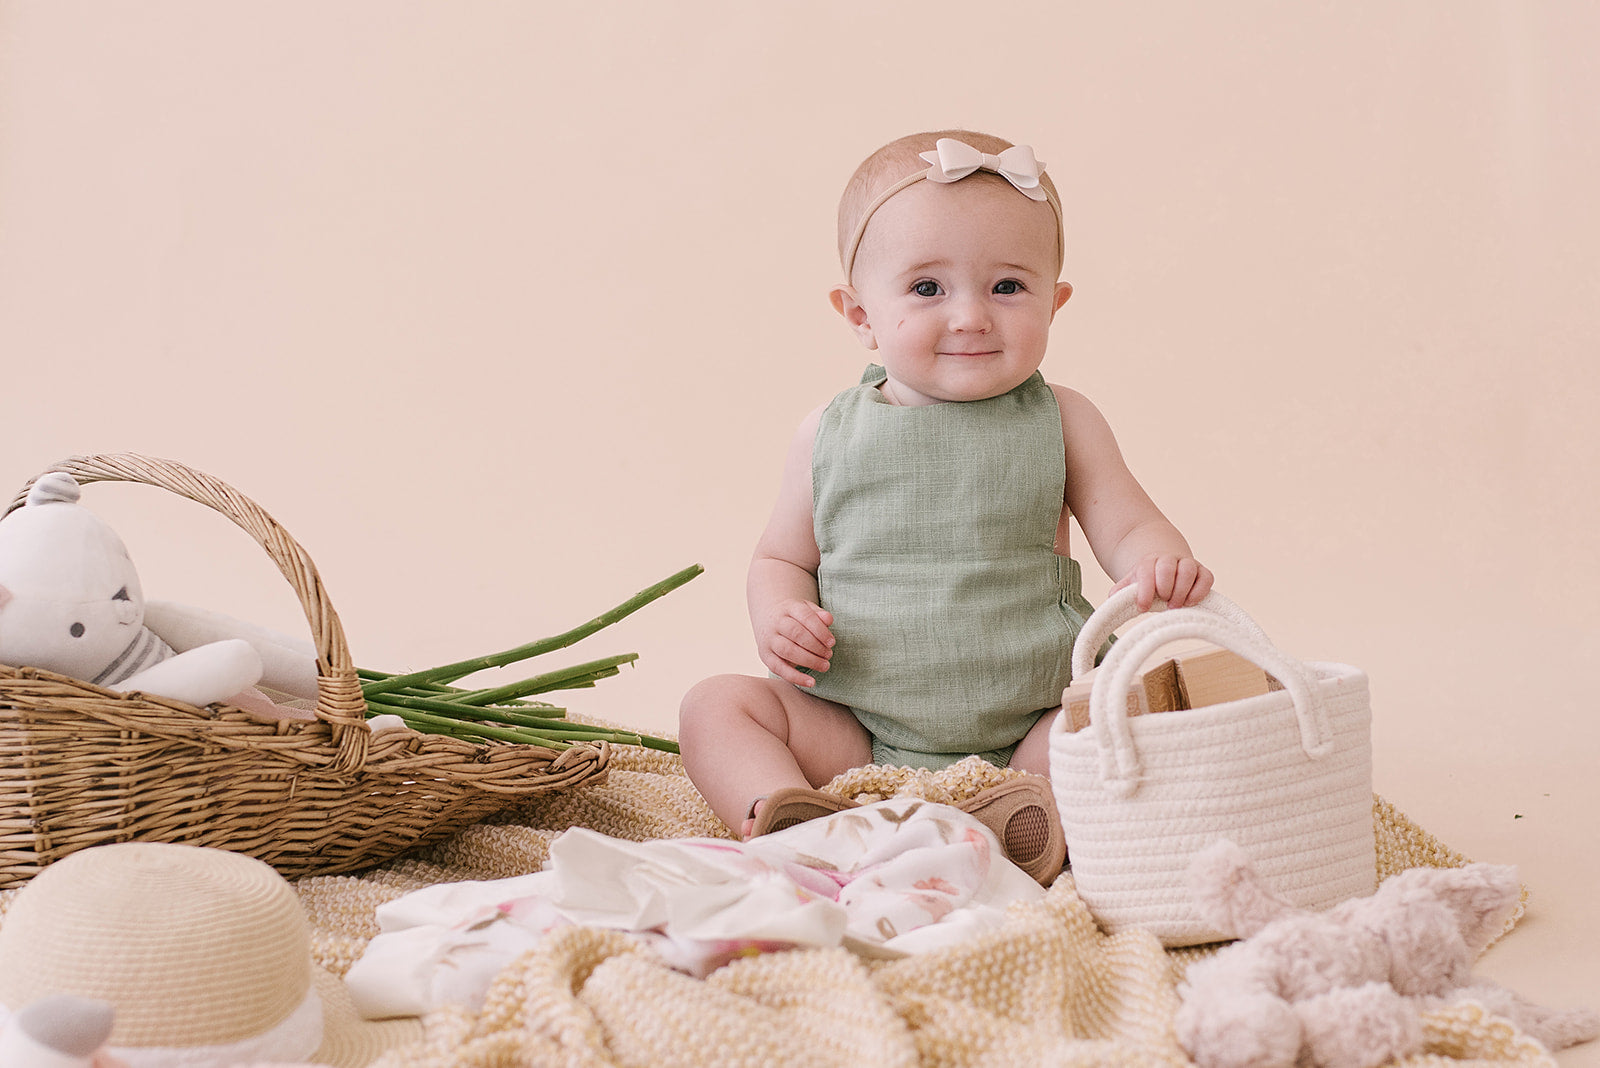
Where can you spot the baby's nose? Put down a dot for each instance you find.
(969, 314)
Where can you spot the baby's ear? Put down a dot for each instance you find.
(1063, 294)
(843, 298)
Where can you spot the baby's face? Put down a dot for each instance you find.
(955, 287)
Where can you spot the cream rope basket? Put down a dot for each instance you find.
(81, 765)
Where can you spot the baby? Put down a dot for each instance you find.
(912, 593)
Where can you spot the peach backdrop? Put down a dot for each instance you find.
(507, 310)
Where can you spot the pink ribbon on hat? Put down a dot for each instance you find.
(953, 160)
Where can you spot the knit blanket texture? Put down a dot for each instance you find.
(1047, 987)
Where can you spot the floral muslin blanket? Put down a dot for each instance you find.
(890, 878)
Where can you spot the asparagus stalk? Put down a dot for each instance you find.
(462, 668)
(520, 715)
(565, 679)
(430, 724)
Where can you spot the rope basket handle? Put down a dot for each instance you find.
(1122, 606)
(340, 702)
(1120, 767)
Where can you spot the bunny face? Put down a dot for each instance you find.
(70, 599)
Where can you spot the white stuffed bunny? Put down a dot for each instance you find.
(70, 602)
(1346, 988)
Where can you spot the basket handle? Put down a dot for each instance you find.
(1120, 767)
(340, 702)
(1122, 606)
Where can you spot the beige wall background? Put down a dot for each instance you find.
(508, 310)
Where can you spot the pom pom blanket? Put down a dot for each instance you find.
(889, 878)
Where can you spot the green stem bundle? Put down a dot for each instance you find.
(428, 702)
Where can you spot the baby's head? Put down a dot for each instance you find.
(901, 163)
(951, 246)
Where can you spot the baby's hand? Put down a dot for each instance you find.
(1180, 581)
(796, 635)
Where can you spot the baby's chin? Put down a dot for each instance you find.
(982, 387)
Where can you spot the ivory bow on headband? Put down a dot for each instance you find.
(952, 160)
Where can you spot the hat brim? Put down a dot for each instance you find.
(348, 1040)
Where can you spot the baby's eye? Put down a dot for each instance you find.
(1009, 287)
(926, 288)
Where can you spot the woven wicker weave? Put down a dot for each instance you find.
(81, 765)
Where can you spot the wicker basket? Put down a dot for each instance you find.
(81, 765)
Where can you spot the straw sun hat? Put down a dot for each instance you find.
(205, 955)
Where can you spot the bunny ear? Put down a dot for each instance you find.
(55, 488)
(5, 595)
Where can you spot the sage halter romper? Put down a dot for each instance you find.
(953, 614)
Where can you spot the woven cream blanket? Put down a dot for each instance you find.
(1047, 988)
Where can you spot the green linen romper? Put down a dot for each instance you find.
(953, 614)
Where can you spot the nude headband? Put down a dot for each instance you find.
(952, 161)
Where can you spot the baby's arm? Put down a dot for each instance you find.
(791, 628)
(1132, 540)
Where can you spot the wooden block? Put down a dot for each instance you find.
(1190, 680)
(1154, 691)
(1218, 676)
(1075, 704)
(1163, 688)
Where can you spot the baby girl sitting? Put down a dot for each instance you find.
(912, 593)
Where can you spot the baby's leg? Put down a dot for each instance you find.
(1033, 752)
(743, 737)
